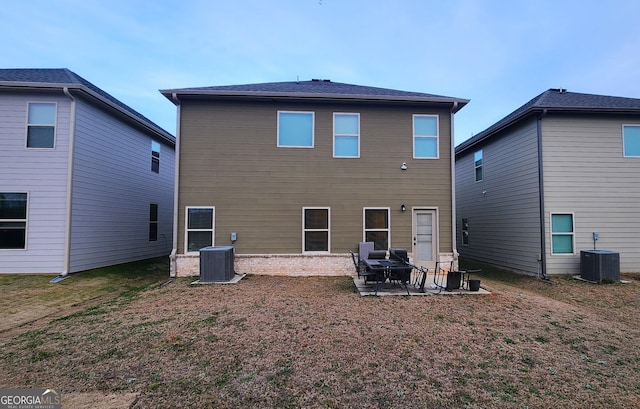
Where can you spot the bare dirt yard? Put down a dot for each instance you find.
(283, 342)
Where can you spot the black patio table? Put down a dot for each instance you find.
(389, 269)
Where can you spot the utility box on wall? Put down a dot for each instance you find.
(216, 264)
(597, 265)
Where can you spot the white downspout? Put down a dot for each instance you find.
(174, 251)
(453, 192)
(67, 231)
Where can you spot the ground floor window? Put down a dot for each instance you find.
(562, 232)
(376, 227)
(315, 235)
(199, 228)
(153, 222)
(13, 220)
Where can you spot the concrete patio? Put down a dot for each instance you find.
(433, 286)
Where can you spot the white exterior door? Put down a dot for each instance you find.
(425, 237)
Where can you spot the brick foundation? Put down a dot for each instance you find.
(280, 264)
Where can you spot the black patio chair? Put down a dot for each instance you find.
(361, 269)
(402, 275)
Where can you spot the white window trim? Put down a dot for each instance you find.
(187, 229)
(573, 233)
(26, 223)
(55, 125)
(328, 230)
(436, 136)
(364, 223)
(154, 142)
(335, 134)
(475, 166)
(313, 130)
(624, 154)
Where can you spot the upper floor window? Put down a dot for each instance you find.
(631, 140)
(155, 157)
(376, 227)
(346, 135)
(41, 125)
(13, 220)
(562, 232)
(315, 235)
(477, 164)
(199, 228)
(295, 129)
(153, 222)
(425, 136)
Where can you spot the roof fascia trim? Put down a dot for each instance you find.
(73, 87)
(171, 94)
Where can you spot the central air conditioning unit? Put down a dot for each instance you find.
(216, 264)
(598, 265)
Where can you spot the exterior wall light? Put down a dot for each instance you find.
(403, 207)
(404, 166)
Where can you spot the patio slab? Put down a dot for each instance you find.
(430, 288)
(236, 278)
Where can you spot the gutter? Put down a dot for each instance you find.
(310, 96)
(67, 231)
(543, 256)
(173, 270)
(454, 239)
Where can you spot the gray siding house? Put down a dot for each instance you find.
(85, 181)
(296, 174)
(533, 188)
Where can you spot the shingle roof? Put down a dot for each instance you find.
(63, 77)
(313, 89)
(558, 100)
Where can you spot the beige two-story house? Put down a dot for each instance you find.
(296, 174)
(554, 178)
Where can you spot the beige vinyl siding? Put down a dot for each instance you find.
(503, 209)
(229, 159)
(586, 174)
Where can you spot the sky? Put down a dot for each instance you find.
(498, 54)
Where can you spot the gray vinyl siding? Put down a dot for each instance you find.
(503, 209)
(229, 159)
(113, 186)
(586, 174)
(42, 173)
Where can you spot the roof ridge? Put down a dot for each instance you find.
(557, 100)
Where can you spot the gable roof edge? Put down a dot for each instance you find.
(80, 87)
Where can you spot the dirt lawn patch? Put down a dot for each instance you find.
(287, 342)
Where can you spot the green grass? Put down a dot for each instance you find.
(34, 296)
